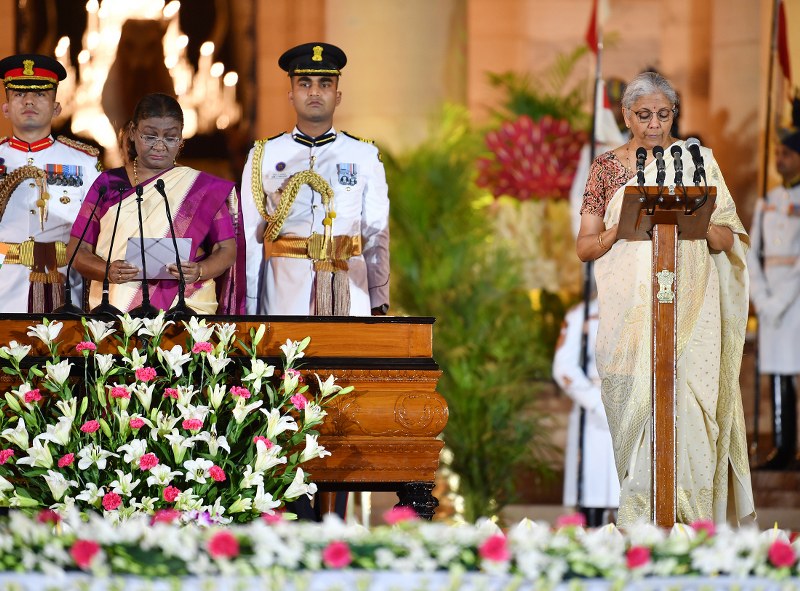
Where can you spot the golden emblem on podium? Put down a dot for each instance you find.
(665, 294)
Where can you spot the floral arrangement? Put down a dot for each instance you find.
(528, 552)
(186, 429)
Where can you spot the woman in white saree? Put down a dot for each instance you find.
(712, 286)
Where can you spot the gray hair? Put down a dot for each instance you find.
(648, 83)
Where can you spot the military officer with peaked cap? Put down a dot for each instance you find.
(773, 262)
(43, 181)
(315, 205)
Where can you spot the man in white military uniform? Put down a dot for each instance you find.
(599, 481)
(315, 205)
(774, 265)
(42, 184)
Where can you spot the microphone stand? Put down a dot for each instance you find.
(68, 307)
(146, 309)
(104, 307)
(180, 309)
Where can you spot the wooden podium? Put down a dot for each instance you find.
(382, 436)
(664, 216)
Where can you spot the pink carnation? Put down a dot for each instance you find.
(165, 516)
(111, 501)
(33, 396)
(171, 393)
(781, 554)
(571, 520)
(90, 426)
(637, 556)
(5, 455)
(265, 440)
(704, 525)
(85, 346)
(66, 460)
(240, 392)
(192, 424)
(223, 544)
(120, 392)
(399, 514)
(145, 374)
(272, 517)
(148, 461)
(136, 423)
(48, 516)
(337, 555)
(171, 493)
(296, 374)
(217, 473)
(202, 347)
(495, 548)
(83, 552)
(299, 401)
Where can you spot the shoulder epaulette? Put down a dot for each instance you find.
(360, 139)
(80, 146)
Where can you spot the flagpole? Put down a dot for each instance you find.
(587, 278)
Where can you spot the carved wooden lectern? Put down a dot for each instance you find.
(664, 216)
(383, 435)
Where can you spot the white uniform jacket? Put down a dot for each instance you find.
(600, 481)
(774, 265)
(352, 167)
(71, 171)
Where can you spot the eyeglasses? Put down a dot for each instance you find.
(152, 140)
(645, 115)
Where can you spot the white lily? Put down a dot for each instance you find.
(133, 450)
(327, 387)
(190, 411)
(136, 360)
(58, 433)
(18, 435)
(294, 349)
(130, 325)
(22, 502)
(225, 332)
(179, 444)
(105, 362)
(59, 372)
(154, 326)
(175, 358)
(38, 455)
(199, 330)
(263, 502)
(94, 454)
(124, 484)
(185, 394)
(164, 425)
(215, 394)
(214, 442)
(146, 505)
(241, 505)
(58, 484)
(313, 413)
(290, 381)
(15, 351)
(241, 410)
(251, 478)
(20, 394)
(298, 487)
(266, 458)
(198, 469)
(91, 494)
(5, 485)
(313, 449)
(161, 475)
(188, 501)
(46, 333)
(68, 408)
(99, 329)
(144, 392)
(259, 370)
(277, 424)
(217, 364)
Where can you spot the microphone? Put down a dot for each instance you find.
(693, 145)
(641, 156)
(677, 155)
(68, 307)
(146, 309)
(105, 307)
(180, 309)
(658, 152)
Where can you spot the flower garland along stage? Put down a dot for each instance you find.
(272, 553)
(150, 429)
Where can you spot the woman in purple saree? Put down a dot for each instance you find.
(205, 209)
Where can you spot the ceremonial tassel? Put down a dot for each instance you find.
(341, 293)
(324, 291)
(36, 298)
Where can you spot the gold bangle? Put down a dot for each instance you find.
(600, 242)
